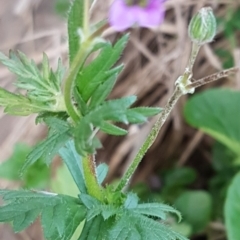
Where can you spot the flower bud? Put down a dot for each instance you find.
(202, 27)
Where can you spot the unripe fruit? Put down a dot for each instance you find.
(202, 27)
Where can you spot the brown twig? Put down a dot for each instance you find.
(213, 77)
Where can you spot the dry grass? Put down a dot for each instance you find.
(153, 58)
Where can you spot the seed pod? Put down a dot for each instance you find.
(202, 27)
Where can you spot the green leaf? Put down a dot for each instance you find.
(73, 161)
(232, 209)
(127, 221)
(114, 110)
(75, 22)
(60, 215)
(217, 113)
(140, 114)
(97, 72)
(59, 134)
(102, 171)
(103, 90)
(156, 210)
(112, 129)
(131, 201)
(135, 226)
(106, 211)
(43, 88)
(96, 229)
(198, 216)
(147, 111)
(17, 104)
(89, 201)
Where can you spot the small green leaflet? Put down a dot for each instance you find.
(17, 104)
(100, 118)
(60, 215)
(43, 87)
(103, 90)
(98, 71)
(113, 110)
(59, 134)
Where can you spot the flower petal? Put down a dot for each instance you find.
(121, 16)
(152, 15)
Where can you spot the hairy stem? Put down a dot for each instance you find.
(150, 139)
(89, 169)
(213, 77)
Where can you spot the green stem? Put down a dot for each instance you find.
(194, 52)
(89, 169)
(69, 82)
(150, 139)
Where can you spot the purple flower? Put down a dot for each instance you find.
(145, 13)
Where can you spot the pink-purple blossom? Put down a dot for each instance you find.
(145, 13)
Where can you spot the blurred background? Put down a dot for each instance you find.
(196, 154)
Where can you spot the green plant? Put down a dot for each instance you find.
(205, 112)
(73, 102)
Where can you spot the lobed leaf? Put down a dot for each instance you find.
(59, 134)
(43, 88)
(60, 215)
(97, 71)
(114, 110)
(103, 90)
(138, 227)
(17, 104)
